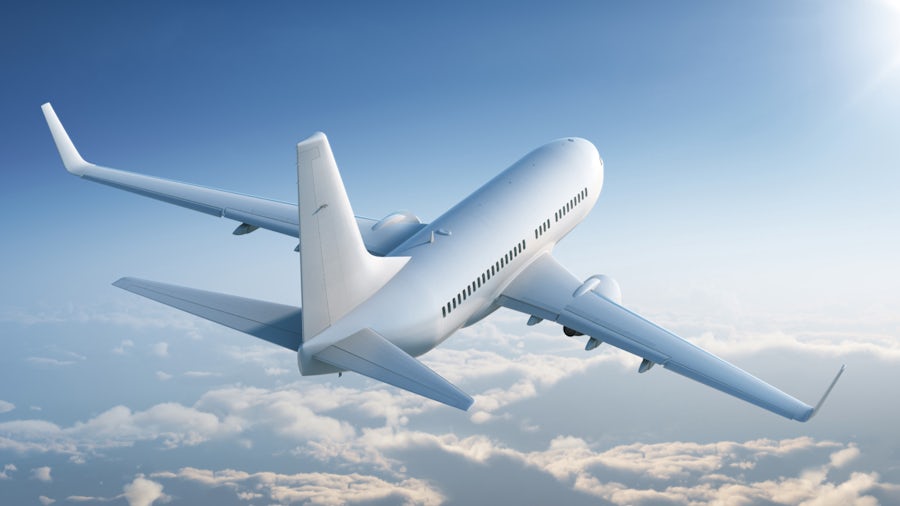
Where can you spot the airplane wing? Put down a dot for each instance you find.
(549, 291)
(251, 212)
(370, 354)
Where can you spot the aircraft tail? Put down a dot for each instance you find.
(336, 271)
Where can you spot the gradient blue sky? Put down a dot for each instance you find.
(750, 204)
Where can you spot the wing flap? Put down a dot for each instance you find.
(276, 323)
(368, 353)
(547, 289)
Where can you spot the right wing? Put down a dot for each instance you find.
(547, 290)
(251, 212)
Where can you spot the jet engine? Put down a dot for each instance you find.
(603, 286)
(390, 231)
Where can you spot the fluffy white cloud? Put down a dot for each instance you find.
(288, 412)
(715, 469)
(46, 501)
(8, 468)
(42, 474)
(144, 492)
(312, 488)
(163, 376)
(6, 407)
(170, 423)
(139, 492)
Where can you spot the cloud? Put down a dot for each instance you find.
(276, 371)
(844, 457)
(163, 376)
(287, 412)
(534, 373)
(201, 374)
(123, 348)
(172, 424)
(42, 474)
(8, 468)
(49, 361)
(312, 488)
(6, 407)
(161, 349)
(139, 492)
(46, 501)
(144, 492)
(220, 413)
(663, 468)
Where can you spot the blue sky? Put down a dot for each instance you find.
(750, 205)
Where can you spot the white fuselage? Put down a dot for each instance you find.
(460, 263)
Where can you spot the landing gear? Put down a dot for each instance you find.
(571, 333)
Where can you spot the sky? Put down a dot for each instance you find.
(750, 205)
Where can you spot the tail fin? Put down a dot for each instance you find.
(336, 271)
(72, 160)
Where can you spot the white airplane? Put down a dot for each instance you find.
(377, 293)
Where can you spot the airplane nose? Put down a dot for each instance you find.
(586, 147)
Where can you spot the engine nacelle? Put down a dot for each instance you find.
(390, 231)
(602, 285)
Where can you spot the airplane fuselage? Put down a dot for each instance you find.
(484, 240)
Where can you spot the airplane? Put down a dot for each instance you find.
(378, 293)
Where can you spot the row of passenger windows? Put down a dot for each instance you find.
(483, 279)
(574, 201)
(544, 227)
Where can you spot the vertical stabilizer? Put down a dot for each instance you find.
(336, 271)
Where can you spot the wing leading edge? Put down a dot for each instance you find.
(547, 290)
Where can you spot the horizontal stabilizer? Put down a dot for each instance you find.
(370, 354)
(276, 323)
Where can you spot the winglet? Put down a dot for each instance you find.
(825, 395)
(72, 160)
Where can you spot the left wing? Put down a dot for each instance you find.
(255, 212)
(549, 291)
(380, 237)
